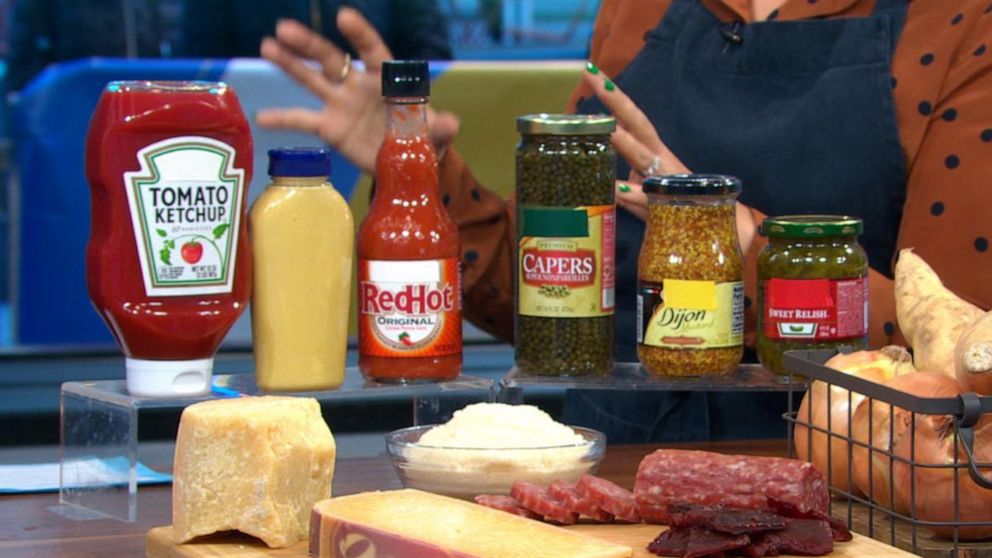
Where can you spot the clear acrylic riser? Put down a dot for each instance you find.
(633, 376)
(99, 429)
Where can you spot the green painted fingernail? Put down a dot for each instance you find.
(609, 85)
(591, 68)
(624, 188)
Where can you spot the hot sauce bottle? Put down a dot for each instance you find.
(168, 261)
(409, 278)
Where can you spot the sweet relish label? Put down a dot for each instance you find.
(185, 207)
(409, 308)
(679, 314)
(565, 265)
(815, 309)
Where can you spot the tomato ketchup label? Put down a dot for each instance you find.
(565, 265)
(185, 207)
(409, 308)
(819, 309)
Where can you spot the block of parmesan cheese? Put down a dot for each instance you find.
(415, 523)
(251, 464)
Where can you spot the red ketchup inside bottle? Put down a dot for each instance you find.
(168, 259)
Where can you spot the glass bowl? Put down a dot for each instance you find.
(468, 472)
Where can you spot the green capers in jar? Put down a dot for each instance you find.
(566, 236)
(690, 278)
(812, 286)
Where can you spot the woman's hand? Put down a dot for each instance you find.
(352, 120)
(637, 141)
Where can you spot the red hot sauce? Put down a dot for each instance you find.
(409, 277)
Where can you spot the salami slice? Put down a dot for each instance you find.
(540, 501)
(670, 476)
(565, 492)
(609, 497)
(505, 503)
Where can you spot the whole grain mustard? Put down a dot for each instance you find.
(690, 305)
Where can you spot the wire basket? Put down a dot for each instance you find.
(936, 507)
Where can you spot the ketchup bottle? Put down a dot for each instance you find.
(409, 277)
(168, 263)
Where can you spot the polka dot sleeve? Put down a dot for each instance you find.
(943, 89)
(486, 230)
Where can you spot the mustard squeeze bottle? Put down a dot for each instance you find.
(303, 236)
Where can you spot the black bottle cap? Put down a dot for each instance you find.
(405, 78)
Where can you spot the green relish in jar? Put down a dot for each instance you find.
(812, 286)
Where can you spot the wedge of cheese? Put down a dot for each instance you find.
(411, 523)
(252, 464)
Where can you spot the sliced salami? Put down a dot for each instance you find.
(609, 497)
(565, 492)
(505, 503)
(670, 476)
(540, 501)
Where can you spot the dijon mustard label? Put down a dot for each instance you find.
(680, 314)
(565, 261)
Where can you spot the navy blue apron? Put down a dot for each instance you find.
(802, 112)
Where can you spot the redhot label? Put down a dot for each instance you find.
(409, 308)
(817, 309)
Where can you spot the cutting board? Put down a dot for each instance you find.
(158, 544)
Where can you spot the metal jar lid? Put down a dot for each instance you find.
(692, 184)
(811, 226)
(566, 124)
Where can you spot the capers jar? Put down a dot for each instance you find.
(566, 234)
(690, 290)
(812, 286)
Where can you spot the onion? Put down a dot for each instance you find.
(876, 366)
(897, 422)
(934, 488)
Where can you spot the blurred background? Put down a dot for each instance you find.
(57, 54)
(491, 61)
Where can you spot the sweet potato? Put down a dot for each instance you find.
(973, 356)
(932, 318)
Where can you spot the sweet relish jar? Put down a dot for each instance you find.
(812, 286)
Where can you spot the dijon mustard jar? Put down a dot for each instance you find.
(690, 289)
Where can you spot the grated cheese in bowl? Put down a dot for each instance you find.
(485, 447)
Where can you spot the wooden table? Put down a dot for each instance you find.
(29, 529)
